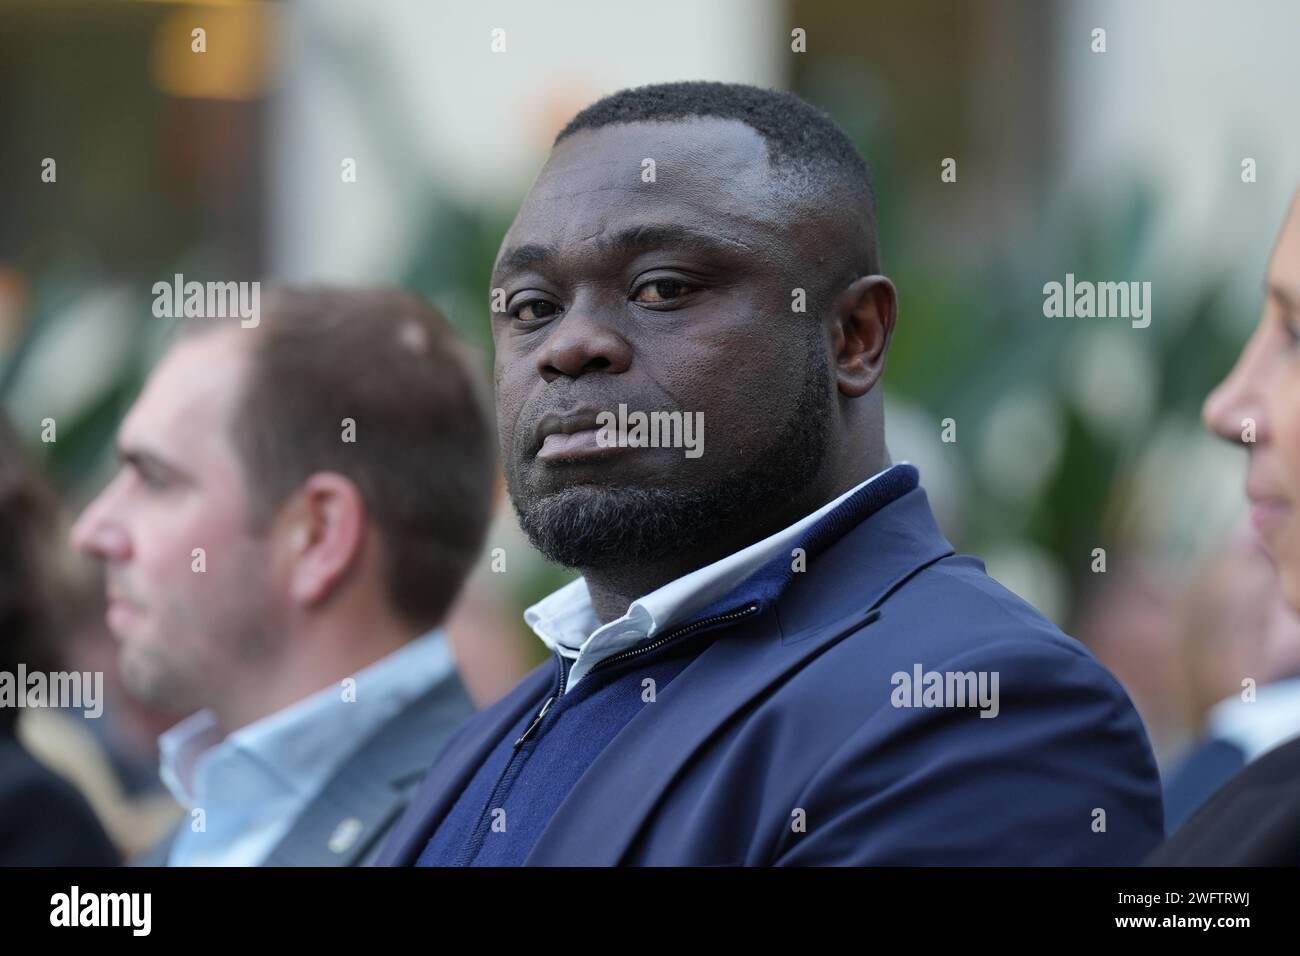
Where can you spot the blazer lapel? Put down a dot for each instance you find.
(345, 822)
(840, 594)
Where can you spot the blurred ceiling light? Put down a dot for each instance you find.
(238, 48)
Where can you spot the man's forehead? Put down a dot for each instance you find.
(1289, 235)
(711, 145)
(1284, 263)
(657, 159)
(188, 397)
(605, 182)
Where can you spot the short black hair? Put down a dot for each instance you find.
(802, 141)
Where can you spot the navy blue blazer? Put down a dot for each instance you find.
(781, 742)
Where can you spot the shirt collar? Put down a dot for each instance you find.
(567, 623)
(294, 750)
(1261, 723)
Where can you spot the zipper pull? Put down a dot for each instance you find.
(536, 720)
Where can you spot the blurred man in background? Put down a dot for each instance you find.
(44, 821)
(299, 502)
(1254, 818)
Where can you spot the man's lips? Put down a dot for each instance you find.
(570, 435)
(1268, 511)
(1269, 514)
(119, 612)
(120, 608)
(559, 446)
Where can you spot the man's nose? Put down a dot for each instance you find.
(1234, 410)
(583, 340)
(98, 535)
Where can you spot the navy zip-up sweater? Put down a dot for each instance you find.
(510, 799)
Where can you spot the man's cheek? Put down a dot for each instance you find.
(511, 430)
(1285, 419)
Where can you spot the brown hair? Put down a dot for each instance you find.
(423, 458)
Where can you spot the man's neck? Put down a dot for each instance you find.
(274, 687)
(613, 588)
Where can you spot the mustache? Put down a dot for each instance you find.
(116, 586)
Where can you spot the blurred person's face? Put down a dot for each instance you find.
(673, 295)
(185, 634)
(1264, 387)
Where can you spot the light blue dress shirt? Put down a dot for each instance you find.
(249, 787)
(566, 621)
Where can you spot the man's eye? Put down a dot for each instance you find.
(152, 480)
(662, 290)
(534, 310)
(1292, 331)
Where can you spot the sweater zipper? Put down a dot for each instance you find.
(635, 652)
(478, 835)
(682, 632)
(564, 679)
(474, 844)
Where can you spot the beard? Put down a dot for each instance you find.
(199, 639)
(593, 527)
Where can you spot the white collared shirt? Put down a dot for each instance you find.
(567, 623)
(253, 784)
(1256, 726)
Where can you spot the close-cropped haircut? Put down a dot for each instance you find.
(810, 154)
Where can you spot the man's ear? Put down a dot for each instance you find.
(322, 530)
(863, 318)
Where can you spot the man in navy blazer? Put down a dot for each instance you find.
(772, 656)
